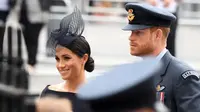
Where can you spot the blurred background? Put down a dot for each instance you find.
(104, 21)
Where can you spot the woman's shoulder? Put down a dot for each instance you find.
(78, 105)
(45, 91)
(56, 87)
(50, 89)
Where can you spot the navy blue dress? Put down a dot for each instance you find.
(77, 104)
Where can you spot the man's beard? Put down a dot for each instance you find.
(144, 50)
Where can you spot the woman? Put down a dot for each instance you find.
(72, 54)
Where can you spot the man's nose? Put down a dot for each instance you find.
(131, 37)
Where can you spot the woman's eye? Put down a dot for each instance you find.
(56, 58)
(67, 58)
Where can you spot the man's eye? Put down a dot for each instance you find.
(138, 32)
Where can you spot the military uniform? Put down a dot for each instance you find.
(177, 84)
(125, 88)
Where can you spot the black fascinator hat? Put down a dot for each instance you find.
(71, 28)
(69, 35)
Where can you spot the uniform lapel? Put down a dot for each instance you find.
(162, 71)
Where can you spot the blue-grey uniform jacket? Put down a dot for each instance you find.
(178, 85)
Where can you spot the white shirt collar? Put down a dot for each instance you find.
(162, 53)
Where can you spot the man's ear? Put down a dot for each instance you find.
(159, 33)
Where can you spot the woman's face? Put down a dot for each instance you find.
(68, 63)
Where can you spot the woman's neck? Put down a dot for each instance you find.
(73, 84)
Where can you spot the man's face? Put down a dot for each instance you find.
(142, 42)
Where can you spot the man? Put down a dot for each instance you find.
(171, 6)
(119, 90)
(177, 84)
(33, 16)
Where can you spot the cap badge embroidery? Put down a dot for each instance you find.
(131, 16)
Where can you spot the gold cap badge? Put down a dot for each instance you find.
(131, 16)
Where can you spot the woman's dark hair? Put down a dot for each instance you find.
(80, 46)
(70, 36)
